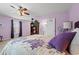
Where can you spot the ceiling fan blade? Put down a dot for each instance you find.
(27, 13)
(12, 6)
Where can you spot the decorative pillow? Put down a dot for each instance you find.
(61, 41)
(74, 47)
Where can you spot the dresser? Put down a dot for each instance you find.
(34, 27)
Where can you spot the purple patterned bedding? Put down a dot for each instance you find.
(26, 46)
(34, 43)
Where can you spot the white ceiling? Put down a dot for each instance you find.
(35, 9)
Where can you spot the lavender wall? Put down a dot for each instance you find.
(60, 18)
(5, 28)
(26, 28)
(74, 13)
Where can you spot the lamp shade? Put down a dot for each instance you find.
(67, 25)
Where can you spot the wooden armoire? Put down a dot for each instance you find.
(34, 27)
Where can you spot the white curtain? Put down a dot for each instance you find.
(16, 28)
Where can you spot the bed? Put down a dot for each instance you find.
(30, 45)
(63, 44)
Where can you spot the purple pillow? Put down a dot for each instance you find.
(61, 41)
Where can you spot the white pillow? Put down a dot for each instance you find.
(74, 47)
(75, 30)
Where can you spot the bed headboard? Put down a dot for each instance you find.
(76, 24)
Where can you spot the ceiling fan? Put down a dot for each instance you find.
(23, 11)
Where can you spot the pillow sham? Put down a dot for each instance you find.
(61, 41)
(74, 47)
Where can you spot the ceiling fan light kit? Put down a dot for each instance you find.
(23, 11)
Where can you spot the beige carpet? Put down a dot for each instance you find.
(2, 44)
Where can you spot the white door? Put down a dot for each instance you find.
(50, 28)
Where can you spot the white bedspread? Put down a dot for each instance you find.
(21, 46)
